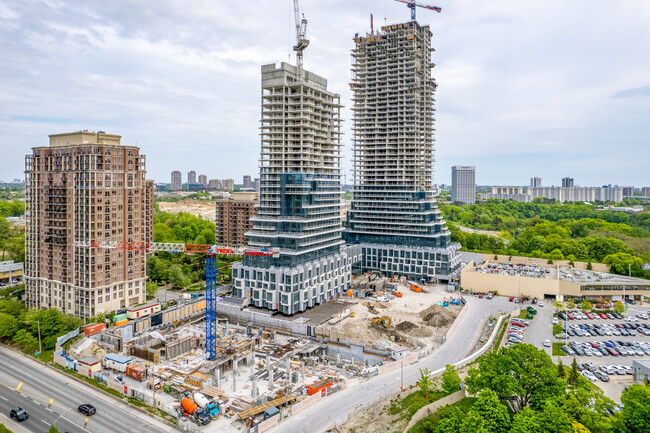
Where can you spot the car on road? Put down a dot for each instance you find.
(547, 343)
(541, 304)
(87, 409)
(19, 414)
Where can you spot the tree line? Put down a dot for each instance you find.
(520, 390)
(555, 232)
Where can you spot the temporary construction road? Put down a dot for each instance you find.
(50, 396)
(336, 408)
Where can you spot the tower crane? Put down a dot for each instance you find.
(210, 252)
(413, 4)
(301, 40)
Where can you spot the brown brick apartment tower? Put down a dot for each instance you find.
(233, 218)
(86, 186)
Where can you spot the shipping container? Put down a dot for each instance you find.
(316, 387)
(119, 317)
(94, 329)
(136, 372)
(122, 322)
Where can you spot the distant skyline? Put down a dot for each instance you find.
(537, 88)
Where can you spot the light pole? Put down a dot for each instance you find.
(63, 413)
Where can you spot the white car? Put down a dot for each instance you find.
(555, 321)
(547, 343)
(631, 319)
(541, 304)
(589, 376)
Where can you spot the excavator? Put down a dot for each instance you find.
(383, 321)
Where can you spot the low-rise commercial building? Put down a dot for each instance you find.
(10, 271)
(641, 370)
(561, 283)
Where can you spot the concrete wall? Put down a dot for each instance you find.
(392, 366)
(354, 351)
(431, 408)
(244, 317)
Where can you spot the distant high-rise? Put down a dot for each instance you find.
(203, 180)
(628, 191)
(177, 181)
(567, 182)
(191, 177)
(214, 184)
(393, 215)
(86, 186)
(463, 184)
(536, 182)
(247, 182)
(645, 191)
(299, 210)
(228, 184)
(256, 184)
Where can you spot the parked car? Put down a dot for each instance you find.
(602, 376)
(547, 343)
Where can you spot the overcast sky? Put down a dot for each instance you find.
(547, 88)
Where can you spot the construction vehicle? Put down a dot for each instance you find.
(208, 406)
(413, 4)
(383, 321)
(372, 309)
(415, 288)
(192, 411)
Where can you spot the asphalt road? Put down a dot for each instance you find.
(28, 384)
(337, 407)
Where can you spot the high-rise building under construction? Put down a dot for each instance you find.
(393, 215)
(298, 215)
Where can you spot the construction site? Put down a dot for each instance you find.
(268, 366)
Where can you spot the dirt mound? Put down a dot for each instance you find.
(405, 326)
(444, 316)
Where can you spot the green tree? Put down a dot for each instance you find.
(53, 429)
(589, 266)
(570, 304)
(473, 423)
(560, 369)
(176, 277)
(619, 307)
(585, 305)
(516, 374)
(8, 325)
(27, 340)
(590, 409)
(450, 379)
(574, 375)
(152, 289)
(635, 416)
(623, 263)
(492, 412)
(425, 383)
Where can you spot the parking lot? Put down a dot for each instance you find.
(541, 329)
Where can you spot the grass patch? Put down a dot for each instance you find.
(557, 349)
(557, 329)
(47, 356)
(497, 341)
(90, 381)
(4, 429)
(135, 402)
(431, 422)
(413, 402)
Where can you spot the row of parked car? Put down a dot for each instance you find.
(602, 330)
(516, 331)
(576, 315)
(607, 348)
(590, 372)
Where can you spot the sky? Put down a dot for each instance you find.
(547, 88)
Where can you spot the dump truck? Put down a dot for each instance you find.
(192, 411)
(208, 406)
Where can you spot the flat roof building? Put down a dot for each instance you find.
(86, 186)
(233, 218)
(463, 184)
(177, 181)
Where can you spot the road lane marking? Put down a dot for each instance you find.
(46, 423)
(19, 385)
(3, 398)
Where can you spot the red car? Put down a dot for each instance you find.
(521, 325)
(480, 296)
(571, 316)
(589, 315)
(602, 315)
(511, 299)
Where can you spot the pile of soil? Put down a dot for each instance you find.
(444, 316)
(405, 326)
